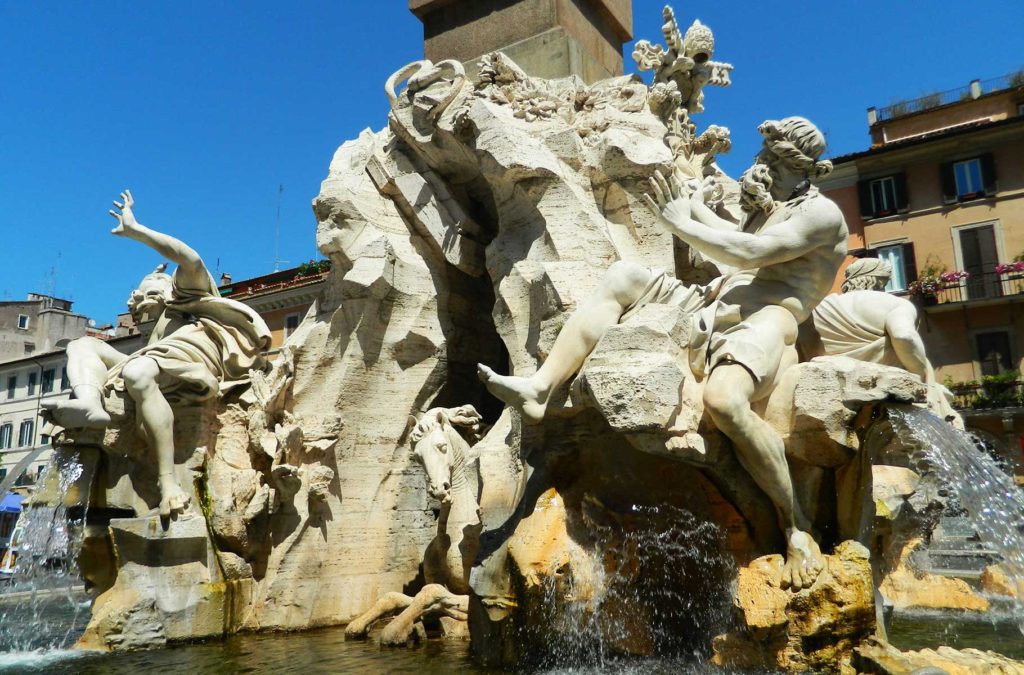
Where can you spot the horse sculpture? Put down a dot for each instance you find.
(452, 479)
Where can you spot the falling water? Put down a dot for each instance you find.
(660, 586)
(40, 610)
(994, 503)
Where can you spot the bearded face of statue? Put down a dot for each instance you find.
(757, 182)
(148, 300)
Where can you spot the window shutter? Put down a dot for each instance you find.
(864, 192)
(902, 198)
(988, 173)
(909, 263)
(948, 181)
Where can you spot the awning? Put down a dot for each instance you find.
(11, 503)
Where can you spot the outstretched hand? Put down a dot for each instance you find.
(670, 201)
(126, 222)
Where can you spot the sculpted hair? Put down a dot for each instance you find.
(867, 274)
(798, 143)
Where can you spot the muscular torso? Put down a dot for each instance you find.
(799, 284)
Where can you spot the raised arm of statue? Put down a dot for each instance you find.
(742, 250)
(191, 269)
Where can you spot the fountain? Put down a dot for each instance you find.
(44, 607)
(605, 460)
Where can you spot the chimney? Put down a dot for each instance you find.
(225, 279)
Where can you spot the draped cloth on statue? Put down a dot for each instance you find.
(221, 340)
(846, 331)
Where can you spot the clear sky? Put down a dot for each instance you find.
(204, 108)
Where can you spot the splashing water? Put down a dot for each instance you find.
(994, 503)
(41, 608)
(656, 581)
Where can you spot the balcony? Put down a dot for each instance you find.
(985, 287)
(994, 392)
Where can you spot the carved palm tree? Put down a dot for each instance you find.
(451, 479)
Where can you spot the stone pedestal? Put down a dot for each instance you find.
(547, 38)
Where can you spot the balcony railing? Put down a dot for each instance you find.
(988, 395)
(984, 286)
(940, 98)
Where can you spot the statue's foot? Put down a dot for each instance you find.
(519, 392)
(172, 498)
(76, 414)
(357, 630)
(804, 561)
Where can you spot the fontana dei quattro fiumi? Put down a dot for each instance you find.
(572, 397)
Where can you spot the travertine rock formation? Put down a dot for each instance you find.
(814, 630)
(879, 658)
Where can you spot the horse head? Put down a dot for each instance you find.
(441, 449)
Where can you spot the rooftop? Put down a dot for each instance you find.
(939, 99)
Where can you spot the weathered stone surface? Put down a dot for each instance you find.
(815, 629)
(816, 402)
(907, 587)
(995, 580)
(638, 378)
(883, 659)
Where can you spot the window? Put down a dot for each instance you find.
(48, 376)
(65, 383)
(12, 385)
(993, 352)
(29, 348)
(904, 266)
(969, 178)
(291, 322)
(3, 474)
(44, 439)
(25, 433)
(31, 384)
(6, 432)
(23, 321)
(978, 250)
(39, 469)
(883, 196)
(1020, 109)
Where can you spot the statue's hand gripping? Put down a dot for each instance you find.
(670, 202)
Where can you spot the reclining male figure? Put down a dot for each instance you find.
(777, 266)
(200, 341)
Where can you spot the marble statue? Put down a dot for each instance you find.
(687, 61)
(866, 323)
(201, 343)
(452, 480)
(780, 261)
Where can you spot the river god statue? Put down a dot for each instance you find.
(778, 263)
(200, 343)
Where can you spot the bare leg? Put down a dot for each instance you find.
(762, 452)
(433, 599)
(89, 360)
(622, 286)
(388, 604)
(157, 420)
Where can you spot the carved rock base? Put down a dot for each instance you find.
(814, 630)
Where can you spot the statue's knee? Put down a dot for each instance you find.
(723, 404)
(83, 345)
(139, 374)
(626, 281)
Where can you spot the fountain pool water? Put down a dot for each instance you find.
(43, 609)
(993, 502)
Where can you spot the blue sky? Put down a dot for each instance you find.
(204, 108)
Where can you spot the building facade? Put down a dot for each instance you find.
(940, 195)
(281, 298)
(36, 325)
